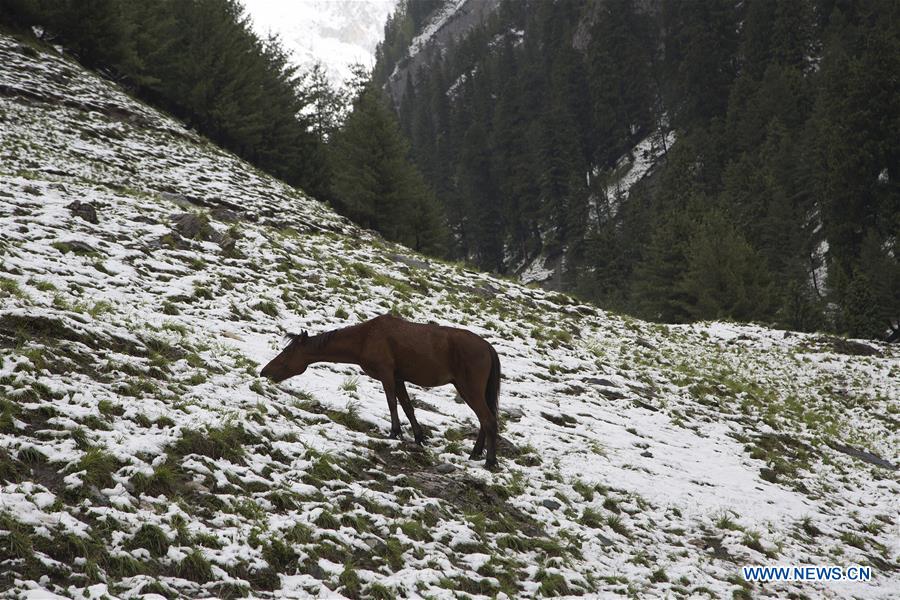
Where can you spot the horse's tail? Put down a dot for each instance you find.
(492, 392)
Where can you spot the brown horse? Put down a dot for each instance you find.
(394, 351)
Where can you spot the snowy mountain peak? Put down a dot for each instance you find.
(337, 33)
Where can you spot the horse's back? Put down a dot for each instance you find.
(429, 354)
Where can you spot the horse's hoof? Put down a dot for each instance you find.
(420, 440)
(395, 435)
(491, 465)
(475, 456)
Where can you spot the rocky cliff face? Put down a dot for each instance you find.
(145, 275)
(448, 23)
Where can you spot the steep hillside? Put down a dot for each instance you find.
(146, 276)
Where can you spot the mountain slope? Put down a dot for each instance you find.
(146, 276)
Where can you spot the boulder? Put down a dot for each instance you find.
(85, 210)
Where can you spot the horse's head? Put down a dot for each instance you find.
(293, 360)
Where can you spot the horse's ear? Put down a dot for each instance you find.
(303, 337)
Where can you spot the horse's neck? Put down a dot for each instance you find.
(341, 346)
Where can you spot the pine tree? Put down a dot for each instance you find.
(375, 184)
(725, 277)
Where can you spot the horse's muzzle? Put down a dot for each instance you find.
(269, 373)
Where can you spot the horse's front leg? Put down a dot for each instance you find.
(407, 405)
(391, 393)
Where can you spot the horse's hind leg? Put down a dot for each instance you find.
(406, 403)
(487, 433)
(390, 393)
(478, 449)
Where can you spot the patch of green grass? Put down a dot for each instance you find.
(151, 538)
(249, 509)
(322, 470)
(326, 520)
(659, 576)
(137, 387)
(98, 466)
(195, 567)
(224, 442)
(43, 285)
(586, 491)
(752, 540)
(300, 533)
(349, 581)
(17, 543)
(11, 287)
(591, 518)
(415, 530)
(100, 308)
(362, 270)
(8, 412)
(279, 555)
(350, 385)
(341, 313)
(108, 409)
(378, 591)
(266, 307)
(615, 523)
(552, 584)
(853, 539)
(724, 521)
(393, 553)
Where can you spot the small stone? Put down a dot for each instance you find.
(445, 468)
(512, 413)
(645, 343)
(191, 226)
(224, 214)
(612, 394)
(551, 504)
(599, 381)
(647, 454)
(85, 210)
(410, 261)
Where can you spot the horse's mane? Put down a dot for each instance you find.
(314, 342)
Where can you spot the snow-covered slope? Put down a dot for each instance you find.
(337, 33)
(146, 275)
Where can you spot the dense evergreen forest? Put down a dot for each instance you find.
(777, 202)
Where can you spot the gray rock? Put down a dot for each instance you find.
(190, 226)
(647, 454)
(645, 343)
(551, 504)
(599, 381)
(224, 214)
(512, 413)
(486, 290)
(410, 261)
(560, 419)
(179, 199)
(85, 210)
(445, 468)
(612, 394)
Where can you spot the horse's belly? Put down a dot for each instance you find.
(425, 377)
